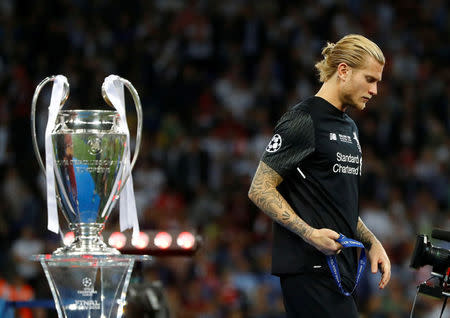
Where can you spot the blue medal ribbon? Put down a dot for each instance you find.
(333, 265)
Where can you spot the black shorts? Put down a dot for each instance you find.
(315, 295)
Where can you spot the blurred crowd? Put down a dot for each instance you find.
(214, 77)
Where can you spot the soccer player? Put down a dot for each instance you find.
(307, 182)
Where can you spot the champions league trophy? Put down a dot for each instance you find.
(87, 167)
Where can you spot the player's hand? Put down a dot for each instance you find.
(379, 259)
(325, 241)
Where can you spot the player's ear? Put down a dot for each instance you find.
(342, 71)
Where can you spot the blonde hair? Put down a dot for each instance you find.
(352, 49)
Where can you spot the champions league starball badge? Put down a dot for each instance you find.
(274, 144)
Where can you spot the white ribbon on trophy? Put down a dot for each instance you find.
(114, 90)
(53, 109)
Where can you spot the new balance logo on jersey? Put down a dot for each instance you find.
(357, 141)
(333, 136)
(274, 144)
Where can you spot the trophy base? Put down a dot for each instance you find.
(79, 250)
(89, 286)
(87, 241)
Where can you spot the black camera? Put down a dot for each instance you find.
(427, 254)
(439, 258)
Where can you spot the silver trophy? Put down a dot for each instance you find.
(89, 159)
(90, 163)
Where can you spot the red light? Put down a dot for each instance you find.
(141, 241)
(186, 240)
(68, 239)
(163, 240)
(117, 240)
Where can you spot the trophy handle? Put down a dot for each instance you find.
(33, 114)
(137, 104)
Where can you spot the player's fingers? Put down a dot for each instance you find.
(386, 276)
(333, 235)
(338, 246)
(332, 247)
(374, 266)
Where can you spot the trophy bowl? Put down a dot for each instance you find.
(89, 151)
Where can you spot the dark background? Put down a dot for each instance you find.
(214, 77)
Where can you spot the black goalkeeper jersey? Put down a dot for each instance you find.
(315, 148)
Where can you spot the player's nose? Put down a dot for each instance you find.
(373, 90)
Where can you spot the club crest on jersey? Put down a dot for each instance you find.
(274, 144)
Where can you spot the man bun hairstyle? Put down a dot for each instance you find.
(352, 49)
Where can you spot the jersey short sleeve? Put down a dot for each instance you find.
(293, 140)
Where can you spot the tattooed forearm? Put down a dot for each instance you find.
(296, 224)
(264, 194)
(365, 235)
(261, 191)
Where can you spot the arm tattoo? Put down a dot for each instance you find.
(264, 194)
(365, 235)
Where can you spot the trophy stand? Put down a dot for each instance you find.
(89, 285)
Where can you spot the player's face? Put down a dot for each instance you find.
(361, 84)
